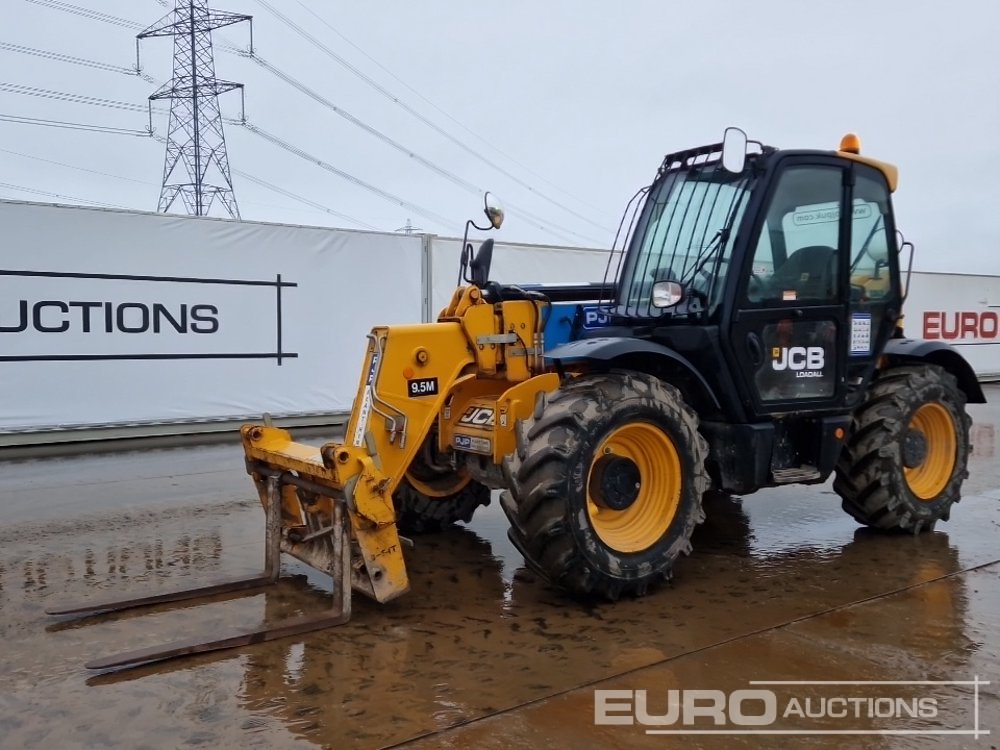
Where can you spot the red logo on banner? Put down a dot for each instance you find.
(961, 325)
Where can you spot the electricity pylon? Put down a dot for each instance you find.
(196, 168)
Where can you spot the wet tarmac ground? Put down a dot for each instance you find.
(782, 586)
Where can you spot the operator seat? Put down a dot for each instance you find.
(811, 271)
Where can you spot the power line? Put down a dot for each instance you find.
(427, 213)
(359, 123)
(544, 225)
(16, 88)
(97, 101)
(429, 123)
(99, 65)
(300, 199)
(126, 23)
(73, 125)
(292, 81)
(59, 196)
(441, 111)
(59, 57)
(140, 133)
(540, 223)
(93, 15)
(244, 175)
(71, 166)
(289, 194)
(76, 98)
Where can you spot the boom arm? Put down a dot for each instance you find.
(412, 375)
(387, 426)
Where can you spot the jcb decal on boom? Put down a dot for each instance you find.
(477, 416)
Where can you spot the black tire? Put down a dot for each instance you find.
(432, 495)
(417, 513)
(548, 500)
(872, 473)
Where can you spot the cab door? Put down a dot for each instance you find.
(790, 316)
(874, 279)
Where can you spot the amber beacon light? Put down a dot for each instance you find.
(851, 143)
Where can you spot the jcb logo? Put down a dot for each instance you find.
(478, 416)
(798, 358)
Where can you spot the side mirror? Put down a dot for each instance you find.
(667, 294)
(734, 150)
(480, 266)
(493, 210)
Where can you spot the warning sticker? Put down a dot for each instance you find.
(861, 333)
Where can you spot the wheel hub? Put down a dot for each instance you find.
(614, 482)
(914, 448)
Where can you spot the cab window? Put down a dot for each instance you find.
(870, 242)
(796, 259)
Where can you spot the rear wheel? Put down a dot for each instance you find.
(907, 455)
(605, 488)
(431, 497)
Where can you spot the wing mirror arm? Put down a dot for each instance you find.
(475, 269)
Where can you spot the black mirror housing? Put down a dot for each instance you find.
(480, 266)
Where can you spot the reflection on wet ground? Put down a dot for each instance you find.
(782, 586)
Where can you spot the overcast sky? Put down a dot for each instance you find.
(581, 98)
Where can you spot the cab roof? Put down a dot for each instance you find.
(705, 154)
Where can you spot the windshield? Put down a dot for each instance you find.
(684, 234)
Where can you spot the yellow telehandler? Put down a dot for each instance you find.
(747, 334)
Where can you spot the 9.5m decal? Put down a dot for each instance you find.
(417, 387)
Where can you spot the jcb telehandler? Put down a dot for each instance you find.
(748, 334)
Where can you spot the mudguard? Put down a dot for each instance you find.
(609, 348)
(938, 353)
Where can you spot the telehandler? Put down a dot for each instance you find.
(748, 334)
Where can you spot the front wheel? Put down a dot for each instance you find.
(605, 488)
(431, 497)
(907, 454)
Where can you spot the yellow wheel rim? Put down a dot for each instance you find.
(932, 474)
(447, 485)
(657, 497)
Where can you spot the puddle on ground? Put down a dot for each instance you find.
(477, 634)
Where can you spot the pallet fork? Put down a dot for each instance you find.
(327, 548)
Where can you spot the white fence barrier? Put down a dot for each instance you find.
(513, 264)
(122, 318)
(962, 310)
